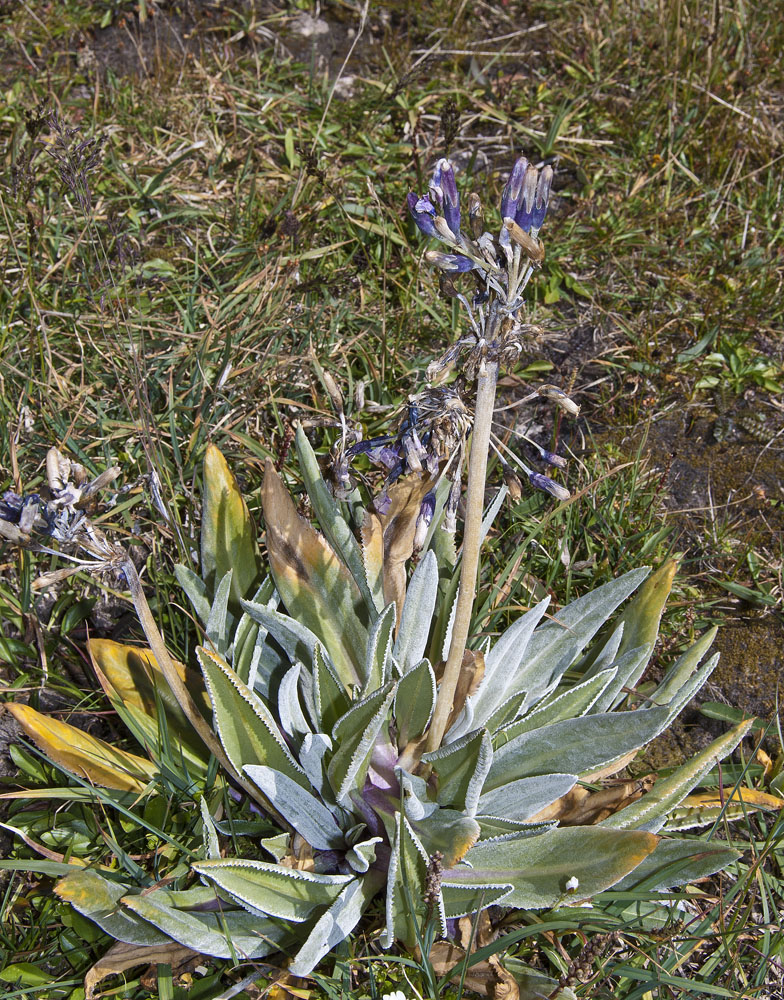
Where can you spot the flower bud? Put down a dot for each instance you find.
(424, 519)
(542, 197)
(510, 199)
(541, 482)
(332, 390)
(524, 212)
(444, 181)
(451, 262)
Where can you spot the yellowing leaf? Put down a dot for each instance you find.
(315, 585)
(82, 754)
(228, 537)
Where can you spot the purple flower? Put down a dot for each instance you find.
(426, 511)
(510, 199)
(525, 209)
(444, 187)
(542, 197)
(541, 482)
(423, 214)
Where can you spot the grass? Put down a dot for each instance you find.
(244, 219)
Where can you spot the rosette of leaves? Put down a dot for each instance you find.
(315, 695)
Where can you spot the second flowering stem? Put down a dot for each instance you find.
(472, 538)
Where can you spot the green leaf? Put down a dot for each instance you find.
(249, 639)
(683, 668)
(330, 699)
(223, 934)
(331, 520)
(414, 701)
(539, 868)
(405, 886)
(246, 728)
(354, 735)
(650, 812)
(306, 814)
(196, 590)
(447, 831)
(417, 614)
(571, 704)
(524, 798)
(676, 862)
(378, 650)
(461, 768)
(337, 923)
(228, 538)
(219, 624)
(95, 897)
(502, 664)
(462, 900)
(575, 746)
(273, 890)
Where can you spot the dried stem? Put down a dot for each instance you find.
(477, 472)
(179, 690)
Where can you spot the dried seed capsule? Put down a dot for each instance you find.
(475, 215)
(533, 248)
(513, 484)
(559, 396)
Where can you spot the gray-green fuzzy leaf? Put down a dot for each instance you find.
(629, 668)
(521, 799)
(417, 614)
(554, 646)
(650, 812)
(504, 662)
(378, 650)
(575, 746)
(330, 700)
(337, 923)
(290, 715)
(354, 735)
(196, 589)
(228, 934)
(220, 622)
(462, 768)
(407, 871)
(683, 668)
(677, 862)
(306, 814)
(246, 728)
(502, 828)
(571, 704)
(273, 890)
(414, 701)
(539, 867)
(462, 900)
(99, 899)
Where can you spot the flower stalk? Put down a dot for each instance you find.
(487, 379)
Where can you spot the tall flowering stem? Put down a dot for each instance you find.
(487, 379)
(500, 266)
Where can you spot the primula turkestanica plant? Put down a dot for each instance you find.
(398, 758)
